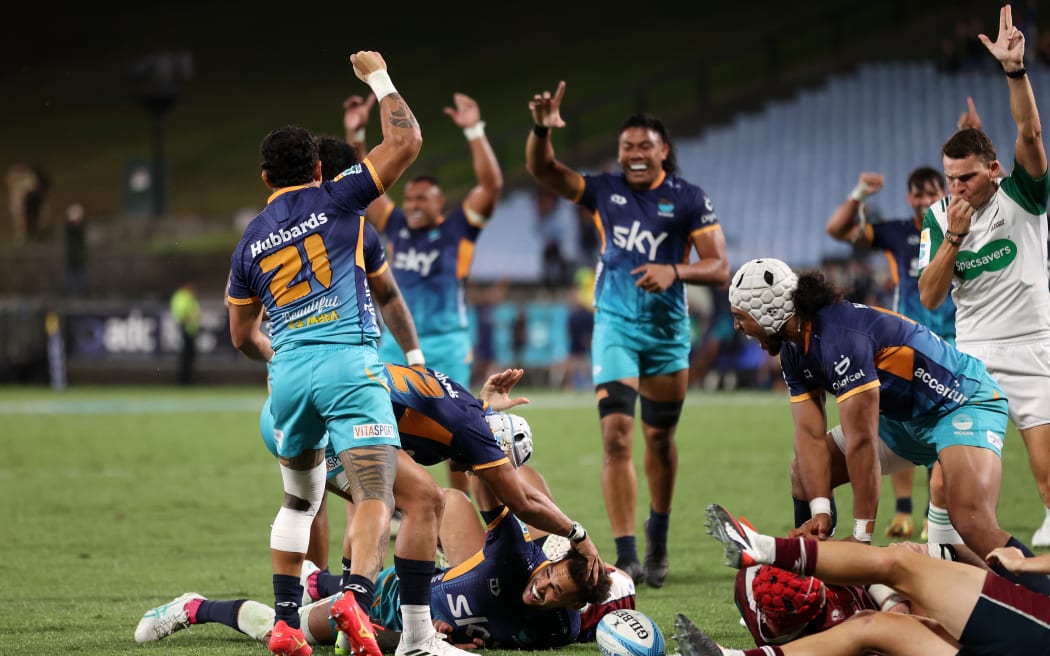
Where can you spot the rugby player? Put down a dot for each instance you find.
(649, 220)
(893, 380)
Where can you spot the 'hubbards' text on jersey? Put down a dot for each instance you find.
(305, 257)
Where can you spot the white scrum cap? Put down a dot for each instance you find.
(763, 288)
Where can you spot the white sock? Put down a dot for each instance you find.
(255, 619)
(940, 531)
(416, 622)
(766, 548)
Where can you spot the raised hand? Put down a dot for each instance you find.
(366, 62)
(496, 390)
(546, 109)
(466, 113)
(356, 111)
(970, 119)
(872, 182)
(1008, 47)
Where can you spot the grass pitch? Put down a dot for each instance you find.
(116, 500)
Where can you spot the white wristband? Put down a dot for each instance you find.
(860, 529)
(475, 131)
(820, 506)
(415, 357)
(359, 135)
(884, 597)
(381, 84)
(860, 192)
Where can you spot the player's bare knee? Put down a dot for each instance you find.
(659, 442)
(429, 500)
(899, 565)
(617, 447)
(971, 525)
(866, 628)
(661, 415)
(451, 497)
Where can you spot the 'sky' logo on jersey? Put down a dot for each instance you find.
(636, 239)
(412, 260)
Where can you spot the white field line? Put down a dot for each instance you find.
(543, 400)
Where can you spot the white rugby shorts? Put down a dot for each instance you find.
(1022, 369)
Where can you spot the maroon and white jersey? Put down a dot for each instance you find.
(621, 595)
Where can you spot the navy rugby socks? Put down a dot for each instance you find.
(287, 594)
(223, 612)
(626, 548)
(656, 527)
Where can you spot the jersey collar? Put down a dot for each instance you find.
(284, 190)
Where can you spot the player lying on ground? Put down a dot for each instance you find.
(466, 599)
(969, 610)
(428, 407)
(439, 420)
(778, 606)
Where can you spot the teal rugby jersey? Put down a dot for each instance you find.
(306, 257)
(431, 266)
(639, 227)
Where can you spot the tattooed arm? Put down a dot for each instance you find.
(395, 313)
(401, 136)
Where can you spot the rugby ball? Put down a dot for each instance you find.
(627, 632)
